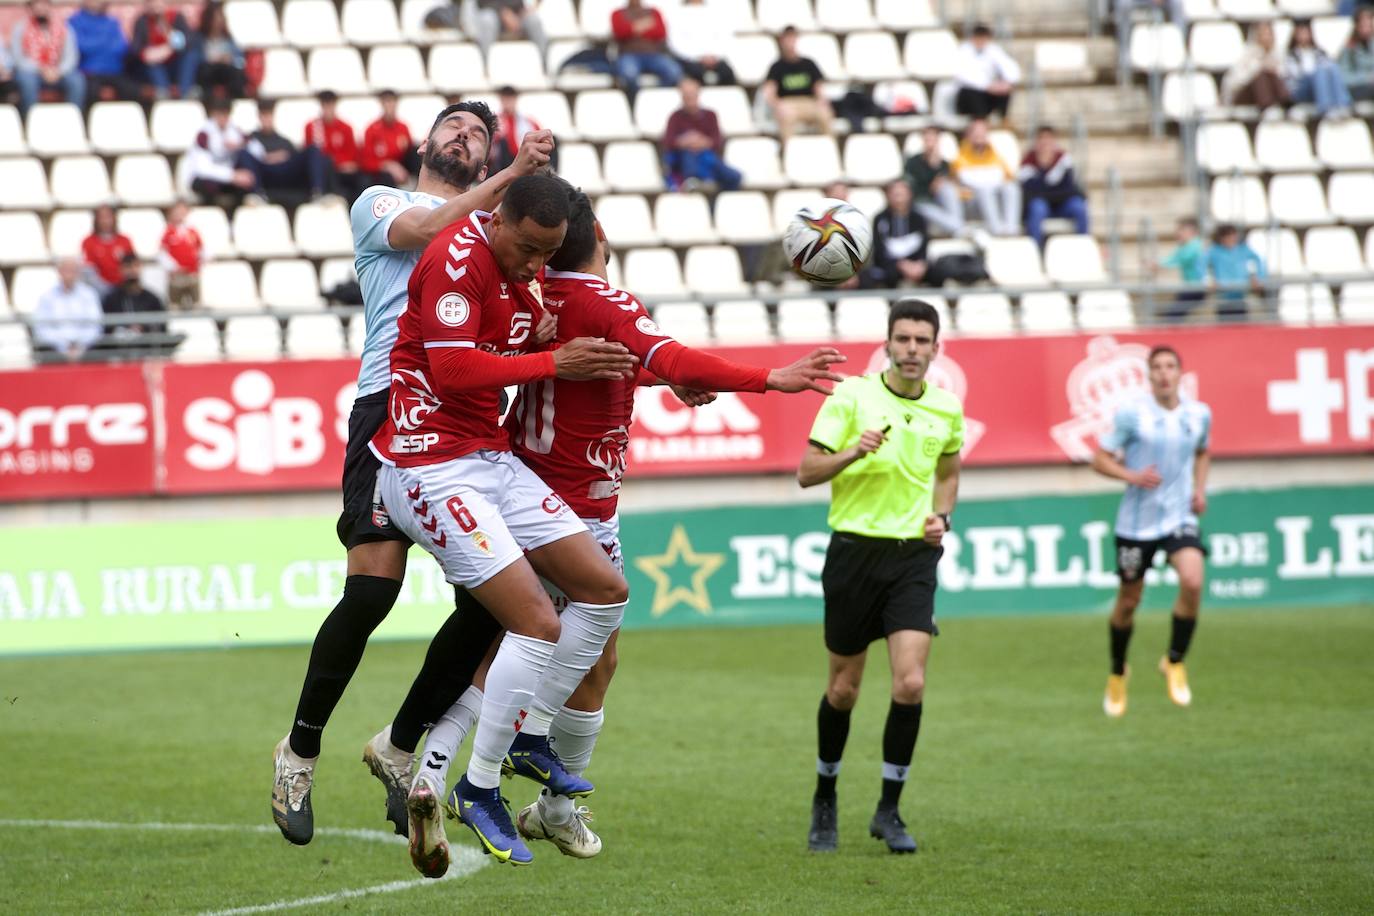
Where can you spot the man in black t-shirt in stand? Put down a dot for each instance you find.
(275, 161)
(795, 90)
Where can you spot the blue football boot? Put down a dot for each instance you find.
(485, 813)
(532, 757)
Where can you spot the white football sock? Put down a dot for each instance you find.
(586, 628)
(443, 740)
(517, 668)
(573, 737)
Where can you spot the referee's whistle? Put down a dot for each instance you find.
(887, 429)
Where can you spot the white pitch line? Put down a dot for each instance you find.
(464, 862)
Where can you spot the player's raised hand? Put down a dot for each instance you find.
(536, 149)
(547, 328)
(1147, 479)
(693, 397)
(870, 441)
(807, 373)
(588, 358)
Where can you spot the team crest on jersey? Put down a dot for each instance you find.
(537, 291)
(646, 325)
(384, 204)
(930, 447)
(482, 541)
(452, 309)
(945, 373)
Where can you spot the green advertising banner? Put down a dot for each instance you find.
(236, 582)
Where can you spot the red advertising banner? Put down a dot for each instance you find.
(75, 431)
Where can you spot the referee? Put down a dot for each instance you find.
(889, 443)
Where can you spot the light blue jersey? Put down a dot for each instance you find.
(1147, 434)
(383, 274)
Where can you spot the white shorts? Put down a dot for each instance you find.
(607, 534)
(477, 514)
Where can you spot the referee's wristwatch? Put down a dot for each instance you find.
(945, 517)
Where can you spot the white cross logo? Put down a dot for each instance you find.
(1313, 396)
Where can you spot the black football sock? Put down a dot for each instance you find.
(454, 655)
(1121, 638)
(899, 745)
(335, 656)
(1180, 636)
(832, 725)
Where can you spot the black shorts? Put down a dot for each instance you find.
(360, 522)
(875, 587)
(1134, 557)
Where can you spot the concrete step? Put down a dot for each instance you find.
(1105, 109)
(1043, 17)
(1162, 205)
(1138, 160)
(1101, 58)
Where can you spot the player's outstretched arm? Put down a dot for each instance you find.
(807, 373)
(692, 369)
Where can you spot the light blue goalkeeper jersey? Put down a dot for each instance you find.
(383, 275)
(1147, 434)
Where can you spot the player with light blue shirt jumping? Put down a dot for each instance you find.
(1158, 446)
(391, 228)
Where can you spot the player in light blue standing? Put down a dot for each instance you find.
(1158, 445)
(391, 228)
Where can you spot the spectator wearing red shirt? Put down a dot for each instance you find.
(388, 154)
(692, 144)
(641, 39)
(336, 138)
(103, 249)
(180, 256)
(166, 50)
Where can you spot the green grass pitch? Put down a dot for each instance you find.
(1024, 797)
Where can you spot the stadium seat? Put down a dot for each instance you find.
(11, 131)
(1199, 10)
(80, 181)
(457, 68)
(741, 323)
(1306, 303)
(252, 336)
(1214, 45)
(1105, 310)
(357, 334)
(67, 229)
(684, 219)
(1298, 200)
(861, 318)
(253, 23)
(1224, 148)
(1352, 197)
(315, 337)
(1006, 145)
(559, 18)
(633, 166)
(55, 129)
(750, 57)
(175, 123)
(337, 69)
(653, 106)
(653, 272)
(1332, 251)
(263, 232)
(872, 56)
(714, 269)
(983, 313)
(845, 15)
(229, 286)
(872, 158)
(1247, 10)
(213, 226)
(15, 349)
(30, 282)
(938, 248)
(1331, 33)
(1156, 46)
(396, 67)
(868, 201)
(685, 322)
(310, 24)
(370, 22)
(334, 271)
(595, 17)
(775, 15)
(1063, 61)
(743, 218)
(731, 105)
(804, 321)
(119, 127)
(579, 164)
(812, 160)
(1014, 262)
(1344, 144)
(627, 220)
(575, 78)
(1239, 200)
(1283, 146)
(787, 203)
(757, 158)
(292, 115)
(518, 64)
(143, 180)
(1046, 312)
(144, 226)
(550, 110)
(358, 111)
(322, 228)
(413, 13)
(418, 113)
(283, 74)
(930, 54)
(25, 184)
(824, 49)
(902, 15)
(1189, 95)
(1279, 248)
(1074, 259)
(904, 99)
(202, 338)
(1357, 302)
(603, 115)
(5, 308)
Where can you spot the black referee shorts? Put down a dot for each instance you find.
(875, 587)
(359, 523)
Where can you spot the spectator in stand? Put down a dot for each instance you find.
(128, 298)
(45, 57)
(388, 154)
(1312, 76)
(103, 249)
(837, 190)
(180, 256)
(1256, 78)
(899, 241)
(512, 125)
(336, 140)
(986, 75)
(1234, 267)
(795, 90)
(933, 187)
(274, 163)
(699, 32)
(641, 39)
(1357, 57)
(8, 89)
(1190, 260)
(166, 50)
(221, 66)
(692, 145)
(989, 179)
(1050, 187)
(102, 50)
(212, 158)
(66, 321)
(488, 20)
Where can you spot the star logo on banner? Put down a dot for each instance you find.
(668, 588)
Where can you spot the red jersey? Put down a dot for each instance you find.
(104, 254)
(447, 367)
(336, 139)
(182, 244)
(383, 142)
(575, 435)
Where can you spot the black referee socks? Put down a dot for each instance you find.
(832, 727)
(899, 745)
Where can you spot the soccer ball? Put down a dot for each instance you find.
(827, 242)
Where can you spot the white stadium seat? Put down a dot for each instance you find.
(872, 158)
(11, 131)
(229, 286)
(626, 220)
(825, 51)
(1331, 33)
(685, 322)
(290, 283)
(743, 218)
(457, 68)
(742, 323)
(684, 219)
(370, 22)
(633, 167)
(311, 24)
(518, 64)
(1014, 262)
(67, 229)
(1298, 200)
(357, 334)
(1344, 143)
(861, 318)
(595, 17)
(1214, 45)
(868, 201)
(653, 106)
(212, 224)
(4, 298)
(812, 160)
(336, 69)
(757, 158)
(1283, 146)
(845, 15)
(418, 113)
(559, 18)
(315, 337)
(292, 115)
(119, 127)
(714, 269)
(901, 15)
(1073, 259)
(872, 56)
(1239, 200)
(931, 54)
(775, 15)
(983, 313)
(1247, 10)
(283, 74)
(334, 271)
(15, 352)
(252, 337)
(143, 180)
(1105, 309)
(30, 282)
(263, 232)
(175, 123)
(253, 23)
(413, 13)
(603, 115)
(358, 111)
(1357, 302)
(1332, 251)
(731, 105)
(750, 57)
(1224, 147)
(1280, 251)
(1156, 46)
(202, 338)
(1063, 61)
(580, 165)
(653, 272)
(1046, 312)
(144, 226)
(80, 181)
(550, 110)
(1352, 197)
(1306, 303)
(787, 203)
(25, 184)
(1188, 95)
(322, 229)
(804, 321)
(55, 129)
(399, 68)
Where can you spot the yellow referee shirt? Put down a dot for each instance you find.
(889, 493)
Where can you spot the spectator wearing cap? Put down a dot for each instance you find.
(1050, 188)
(130, 297)
(488, 20)
(102, 50)
(66, 320)
(336, 140)
(388, 154)
(213, 158)
(693, 143)
(104, 248)
(641, 39)
(166, 50)
(795, 90)
(180, 255)
(698, 34)
(45, 57)
(274, 162)
(985, 74)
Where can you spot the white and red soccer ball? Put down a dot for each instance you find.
(827, 242)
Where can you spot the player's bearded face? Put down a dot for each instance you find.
(456, 153)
